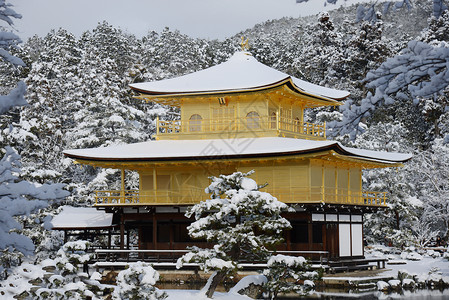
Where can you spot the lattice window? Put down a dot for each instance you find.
(195, 123)
(253, 120)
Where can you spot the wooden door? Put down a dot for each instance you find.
(332, 239)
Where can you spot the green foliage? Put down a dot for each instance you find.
(284, 273)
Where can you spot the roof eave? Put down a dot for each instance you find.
(154, 95)
(334, 148)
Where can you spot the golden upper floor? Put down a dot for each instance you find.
(239, 98)
(296, 180)
(298, 171)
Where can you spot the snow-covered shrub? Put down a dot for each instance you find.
(395, 284)
(433, 253)
(137, 282)
(73, 254)
(408, 283)
(283, 273)
(383, 286)
(242, 222)
(57, 278)
(411, 256)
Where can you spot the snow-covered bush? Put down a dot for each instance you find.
(137, 282)
(58, 278)
(67, 281)
(242, 222)
(383, 286)
(75, 254)
(283, 273)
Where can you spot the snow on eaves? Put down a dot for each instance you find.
(165, 150)
(241, 72)
(81, 217)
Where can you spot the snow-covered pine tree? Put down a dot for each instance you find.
(320, 61)
(9, 40)
(19, 198)
(39, 134)
(241, 222)
(431, 174)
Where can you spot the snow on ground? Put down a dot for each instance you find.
(411, 262)
(422, 266)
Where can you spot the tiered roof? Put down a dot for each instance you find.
(242, 72)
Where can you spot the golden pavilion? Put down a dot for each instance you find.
(242, 115)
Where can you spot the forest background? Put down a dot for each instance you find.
(393, 59)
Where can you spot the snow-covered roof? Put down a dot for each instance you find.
(241, 72)
(81, 218)
(166, 150)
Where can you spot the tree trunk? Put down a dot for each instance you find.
(396, 213)
(219, 276)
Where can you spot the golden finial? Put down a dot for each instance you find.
(244, 44)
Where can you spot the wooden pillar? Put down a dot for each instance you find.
(154, 185)
(309, 229)
(324, 129)
(122, 232)
(171, 234)
(122, 189)
(361, 200)
(278, 121)
(323, 189)
(154, 231)
(337, 200)
(127, 239)
(349, 198)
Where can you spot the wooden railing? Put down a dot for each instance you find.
(195, 195)
(171, 256)
(275, 124)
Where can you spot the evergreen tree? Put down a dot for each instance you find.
(241, 222)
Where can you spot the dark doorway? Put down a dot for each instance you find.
(332, 239)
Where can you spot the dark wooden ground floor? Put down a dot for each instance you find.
(338, 233)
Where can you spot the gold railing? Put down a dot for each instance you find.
(195, 195)
(281, 125)
(159, 197)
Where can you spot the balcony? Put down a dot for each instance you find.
(254, 126)
(192, 196)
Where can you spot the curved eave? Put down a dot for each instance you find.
(367, 163)
(332, 151)
(174, 99)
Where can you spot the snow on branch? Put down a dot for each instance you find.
(419, 71)
(6, 13)
(438, 8)
(15, 195)
(15, 98)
